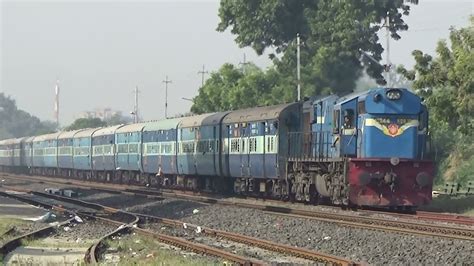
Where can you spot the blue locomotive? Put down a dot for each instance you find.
(364, 149)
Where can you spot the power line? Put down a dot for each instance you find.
(135, 108)
(387, 36)
(56, 103)
(244, 63)
(166, 81)
(298, 68)
(202, 72)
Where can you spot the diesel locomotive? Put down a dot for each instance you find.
(364, 149)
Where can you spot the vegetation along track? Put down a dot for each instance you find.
(197, 247)
(367, 222)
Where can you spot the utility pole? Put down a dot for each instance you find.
(388, 65)
(166, 81)
(298, 70)
(202, 72)
(135, 108)
(244, 63)
(56, 103)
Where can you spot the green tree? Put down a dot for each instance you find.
(16, 123)
(117, 119)
(447, 83)
(231, 88)
(332, 32)
(81, 123)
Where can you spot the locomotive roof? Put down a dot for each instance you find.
(86, 132)
(106, 131)
(351, 96)
(130, 128)
(164, 124)
(193, 121)
(324, 98)
(257, 113)
(68, 134)
(45, 137)
(409, 103)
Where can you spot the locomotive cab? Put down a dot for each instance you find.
(373, 145)
(387, 149)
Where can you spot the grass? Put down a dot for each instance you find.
(7, 223)
(151, 252)
(458, 204)
(58, 243)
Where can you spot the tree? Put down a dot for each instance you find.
(15, 123)
(81, 123)
(231, 88)
(447, 84)
(332, 32)
(117, 119)
(446, 81)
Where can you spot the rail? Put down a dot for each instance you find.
(444, 231)
(12, 244)
(93, 253)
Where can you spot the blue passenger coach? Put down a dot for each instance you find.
(65, 152)
(159, 147)
(128, 140)
(45, 154)
(18, 159)
(211, 159)
(255, 143)
(82, 144)
(190, 135)
(104, 152)
(28, 153)
(6, 154)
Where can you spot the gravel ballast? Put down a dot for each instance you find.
(361, 245)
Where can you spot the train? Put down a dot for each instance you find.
(367, 148)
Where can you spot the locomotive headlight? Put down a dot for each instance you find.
(394, 161)
(394, 94)
(423, 179)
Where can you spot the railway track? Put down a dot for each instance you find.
(450, 218)
(92, 256)
(11, 244)
(120, 220)
(359, 221)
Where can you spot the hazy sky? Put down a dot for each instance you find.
(101, 50)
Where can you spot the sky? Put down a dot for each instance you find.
(100, 51)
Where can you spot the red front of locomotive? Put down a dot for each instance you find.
(390, 182)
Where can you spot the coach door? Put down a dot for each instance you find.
(270, 148)
(244, 149)
(255, 149)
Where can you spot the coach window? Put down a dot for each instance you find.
(335, 121)
(422, 120)
(361, 107)
(348, 119)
